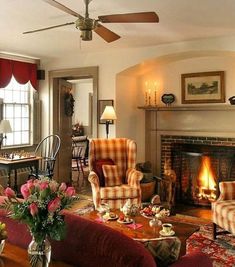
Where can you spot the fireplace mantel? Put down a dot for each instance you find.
(193, 120)
(190, 108)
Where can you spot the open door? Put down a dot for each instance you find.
(62, 114)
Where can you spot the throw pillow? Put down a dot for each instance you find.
(165, 251)
(97, 167)
(111, 176)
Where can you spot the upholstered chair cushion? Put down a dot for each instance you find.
(111, 175)
(98, 169)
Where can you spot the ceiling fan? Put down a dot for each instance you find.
(86, 25)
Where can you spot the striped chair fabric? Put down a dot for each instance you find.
(123, 153)
(223, 209)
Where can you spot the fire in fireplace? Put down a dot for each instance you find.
(206, 182)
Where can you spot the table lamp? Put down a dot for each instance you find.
(5, 127)
(108, 115)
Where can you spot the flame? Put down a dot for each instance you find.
(206, 178)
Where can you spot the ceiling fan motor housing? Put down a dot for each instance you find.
(86, 25)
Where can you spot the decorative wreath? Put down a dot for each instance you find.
(69, 104)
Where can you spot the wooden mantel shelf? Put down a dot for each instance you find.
(189, 108)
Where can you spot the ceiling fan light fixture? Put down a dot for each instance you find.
(86, 35)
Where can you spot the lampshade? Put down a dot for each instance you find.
(108, 114)
(5, 126)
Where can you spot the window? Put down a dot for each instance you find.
(17, 102)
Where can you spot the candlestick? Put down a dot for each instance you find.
(149, 97)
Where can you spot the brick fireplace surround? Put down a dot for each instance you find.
(201, 125)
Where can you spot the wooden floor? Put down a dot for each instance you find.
(195, 211)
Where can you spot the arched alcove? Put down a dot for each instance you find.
(166, 70)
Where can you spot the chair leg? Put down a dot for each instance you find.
(214, 231)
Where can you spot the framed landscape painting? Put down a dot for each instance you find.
(203, 87)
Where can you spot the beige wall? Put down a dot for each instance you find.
(122, 74)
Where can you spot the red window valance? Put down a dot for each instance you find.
(22, 71)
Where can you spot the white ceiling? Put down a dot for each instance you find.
(180, 20)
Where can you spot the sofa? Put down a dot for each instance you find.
(89, 244)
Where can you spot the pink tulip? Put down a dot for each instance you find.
(43, 185)
(9, 193)
(53, 186)
(53, 205)
(62, 187)
(70, 191)
(25, 191)
(30, 184)
(33, 209)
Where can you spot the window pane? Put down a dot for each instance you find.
(17, 111)
(9, 111)
(25, 111)
(24, 97)
(17, 138)
(17, 125)
(9, 139)
(25, 137)
(8, 98)
(16, 96)
(25, 124)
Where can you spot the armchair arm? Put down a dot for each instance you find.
(134, 177)
(95, 186)
(227, 190)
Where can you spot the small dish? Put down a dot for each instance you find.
(125, 222)
(162, 233)
(110, 218)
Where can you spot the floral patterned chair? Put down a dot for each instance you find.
(223, 209)
(113, 176)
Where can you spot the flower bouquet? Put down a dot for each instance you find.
(41, 206)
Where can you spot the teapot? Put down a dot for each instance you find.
(129, 208)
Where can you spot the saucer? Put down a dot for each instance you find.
(162, 233)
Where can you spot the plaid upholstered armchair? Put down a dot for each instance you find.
(223, 209)
(112, 175)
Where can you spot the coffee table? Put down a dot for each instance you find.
(182, 230)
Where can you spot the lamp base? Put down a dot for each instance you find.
(107, 129)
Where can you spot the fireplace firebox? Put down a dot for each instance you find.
(199, 167)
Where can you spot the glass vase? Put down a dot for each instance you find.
(2, 245)
(39, 253)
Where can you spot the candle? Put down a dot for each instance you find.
(155, 93)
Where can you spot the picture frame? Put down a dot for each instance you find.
(101, 106)
(203, 87)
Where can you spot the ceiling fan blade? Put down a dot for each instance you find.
(106, 34)
(48, 28)
(141, 17)
(62, 7)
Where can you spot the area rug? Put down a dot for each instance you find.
(221, 251)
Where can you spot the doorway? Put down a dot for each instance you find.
(60, 123)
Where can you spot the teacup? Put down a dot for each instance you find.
(167, 228)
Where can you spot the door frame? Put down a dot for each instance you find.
(54, 108)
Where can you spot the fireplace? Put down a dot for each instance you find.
(200, 163)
